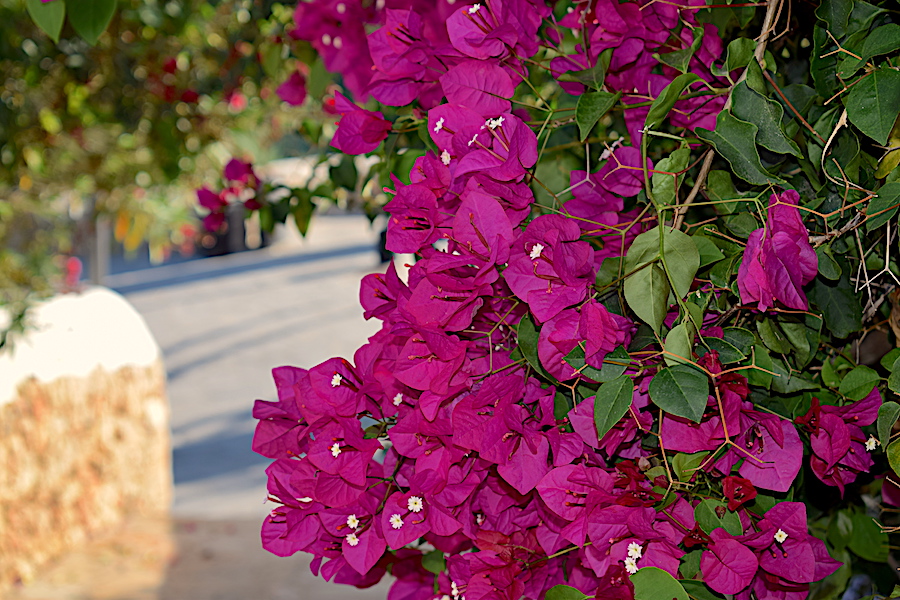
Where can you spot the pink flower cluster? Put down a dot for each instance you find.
(243, 187)
(439, 437)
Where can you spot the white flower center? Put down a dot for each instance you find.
(495, 123)
(474, 9)
(536, 251)
(341, 8)
(872, 443)
(445, 157)
(780, 536)
(305, 499)
(474, 138)
(398, 400)
(338, 43)
(635, 550)
(414, 504)
(336, 380)
(439, 125)
(396, 521)
(631, 565)
(326, 39)
(352, 522)
(352, 539)
(336, 450)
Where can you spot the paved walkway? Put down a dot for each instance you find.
(223, 323)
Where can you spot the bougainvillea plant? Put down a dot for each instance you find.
(644, 351)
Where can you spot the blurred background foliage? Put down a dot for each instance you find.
(124, 131)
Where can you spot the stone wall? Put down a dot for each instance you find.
(78, 455)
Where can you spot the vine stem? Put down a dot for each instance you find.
(768, 25)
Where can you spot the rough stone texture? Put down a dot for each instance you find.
(78, 455)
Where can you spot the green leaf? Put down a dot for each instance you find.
(593, 77)
(697, 590)
(614, 364)
(887, 416)
(49, 16)
(667, 99)
(740, 338)
(680, 342)
(894, 377)
(874, 102)
(664, 185)
(591, 107)
(679, 59)
(735, 140)
(682, 257)
(772, 336)
(788, 382)
(707, 516)
(90, 18)
(727, 353)
(686, 465)
(836, 300)
(766, 114)
(822, 67)
(564, 592)
(882, 40)
(835, 13)
(893, 454)
(303, 212)
(857, 384)
(611, 403)
(738, 56)
(883, 207)
(709, 252)
(681, 390)
(434, 562)
(887, 361)
(828, 267)
(527, 336)
(652, 583)
(647, 293)
(868, 541)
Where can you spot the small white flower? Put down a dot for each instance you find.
(352, 522)
(326, 39)
(474, 138)
(495, 123)
(398, 399)
(780, 536)
(445, 157)
(454, 591)
(341, 8)
(439, 125)
(474, 9)
(336, 380)
(634, 550)
(631, 565)
(336, 450)
(352, 539)
(872, 443)
(305, 500)
(445, 597)
(415, 504)
(338, 43)
(536, 251)
(396, 521)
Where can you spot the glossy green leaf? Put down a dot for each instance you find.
(737, 56)
(680, 343)
(767, 115)
(667, 99)
(652, 583)
(874, 102)
(894, 377)
(90, 18)
(591, 108)
(48, 16)
(682, 257)
(835, 13)
(665, 186)
(614, 364)
(679, 59)
(735, 141)
(707, 516)
(685, 465)
(611, 403)
(882, 40)
(647, 293)
(887, 416)
(857, 384)
(564, 592)
(681, 390)
(883, 207)
(527, 337)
